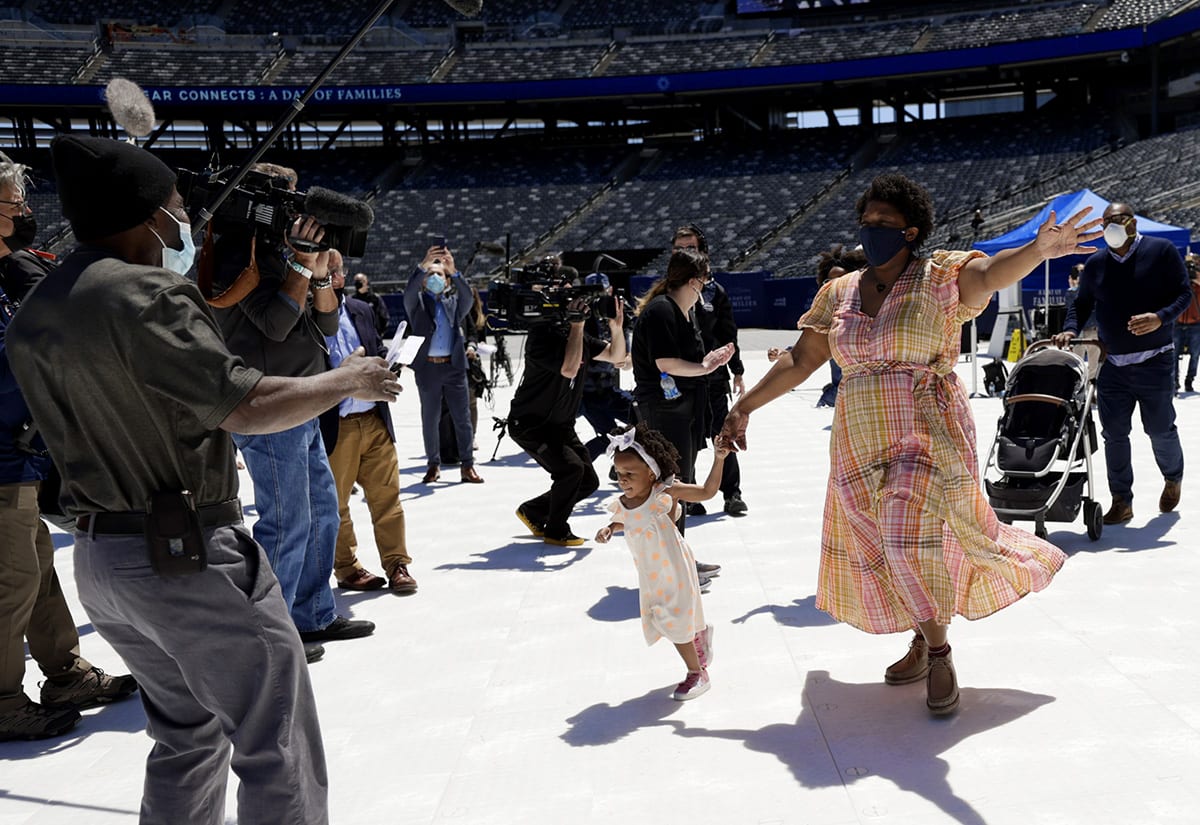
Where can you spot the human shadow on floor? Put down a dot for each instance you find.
(846, 731)
(530, 556)
(1119, 538)
(619, 604)
(800, 613)
(44, 802)
(603, 724)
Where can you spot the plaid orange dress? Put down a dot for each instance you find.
(908, 534)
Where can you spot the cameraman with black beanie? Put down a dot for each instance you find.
(542, 417)
(135, 393)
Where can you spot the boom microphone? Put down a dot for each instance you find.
(130, 107)
(334, 208)
(470, 8)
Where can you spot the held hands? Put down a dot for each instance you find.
(371, 378)
(717, 358)
(1056, 240)
(604, 534)
(307, 228)
(733, 431)
(1144, 324)
(439, 254)
(722, 446)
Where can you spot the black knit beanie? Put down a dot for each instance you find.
(107, 186)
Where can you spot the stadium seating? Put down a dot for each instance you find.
(1125, 13)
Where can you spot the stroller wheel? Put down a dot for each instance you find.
(1093, 518)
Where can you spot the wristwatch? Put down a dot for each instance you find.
(301, 268)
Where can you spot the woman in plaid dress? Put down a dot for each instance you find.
(909, 539)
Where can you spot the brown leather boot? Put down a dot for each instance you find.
(1170, 496)
(941, 686)
(1120, 512)
(914, 665)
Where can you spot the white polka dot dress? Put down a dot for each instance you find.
(669, 589)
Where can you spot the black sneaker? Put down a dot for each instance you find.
(569, 540)
(734, 505)
(34, 721)
(86, 689)
(696, 508)
(340, 628)
(313, 652)
(705, 583)
(706, 569)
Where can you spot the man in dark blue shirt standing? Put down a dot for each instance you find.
(1137, 288)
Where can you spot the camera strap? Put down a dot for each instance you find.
(242, 286)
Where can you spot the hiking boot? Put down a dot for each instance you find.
(941, 686)
(1120, 512)
(694, 684)
(703, 643)
(1170, 496)
(34, 721)
(86, 689)
(914, 665)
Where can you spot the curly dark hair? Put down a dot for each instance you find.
(841, 257)
(656, 446)
(907, 196)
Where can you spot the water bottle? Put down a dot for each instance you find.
(670, 391)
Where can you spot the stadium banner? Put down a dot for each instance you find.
(747, 295)
(172, 98)
(787, 299)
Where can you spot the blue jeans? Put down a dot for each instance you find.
(298, 519)
(1187, 335)
(1151, 386)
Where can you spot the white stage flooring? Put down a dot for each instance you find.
(515, 687)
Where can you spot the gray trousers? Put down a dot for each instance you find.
(221, 668)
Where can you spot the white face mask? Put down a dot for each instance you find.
(1115, 235)
(178, 261)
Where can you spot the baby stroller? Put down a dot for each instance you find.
(1045, 440)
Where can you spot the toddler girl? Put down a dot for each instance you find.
(669, 591)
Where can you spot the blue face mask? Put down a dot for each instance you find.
(435, 284)
(881, 243)
(178, 261)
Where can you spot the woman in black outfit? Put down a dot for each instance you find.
(667, 339)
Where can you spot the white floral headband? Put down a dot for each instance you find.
(628, 441)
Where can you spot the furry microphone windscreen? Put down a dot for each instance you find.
(130, 107)
(334, 208)
(470, 8)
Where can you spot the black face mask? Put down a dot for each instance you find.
(24, 231)
(340, 292)
(881, 243)
(359, 286)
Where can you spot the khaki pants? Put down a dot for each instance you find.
(366, 455)
(32, 605)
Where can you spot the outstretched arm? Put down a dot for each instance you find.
(791, 370)
(980, 277)
(696, 492)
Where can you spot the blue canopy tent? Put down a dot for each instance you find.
(1063, 206)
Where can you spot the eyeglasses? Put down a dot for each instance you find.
(22, 204)
(1119, 217)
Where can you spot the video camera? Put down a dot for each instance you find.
(262, 200)
(538, 294)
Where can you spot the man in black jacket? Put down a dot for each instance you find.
(714, 313)
(364, 293)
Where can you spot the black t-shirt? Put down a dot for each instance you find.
(663, 331)
(128, 377)
(544, 396)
